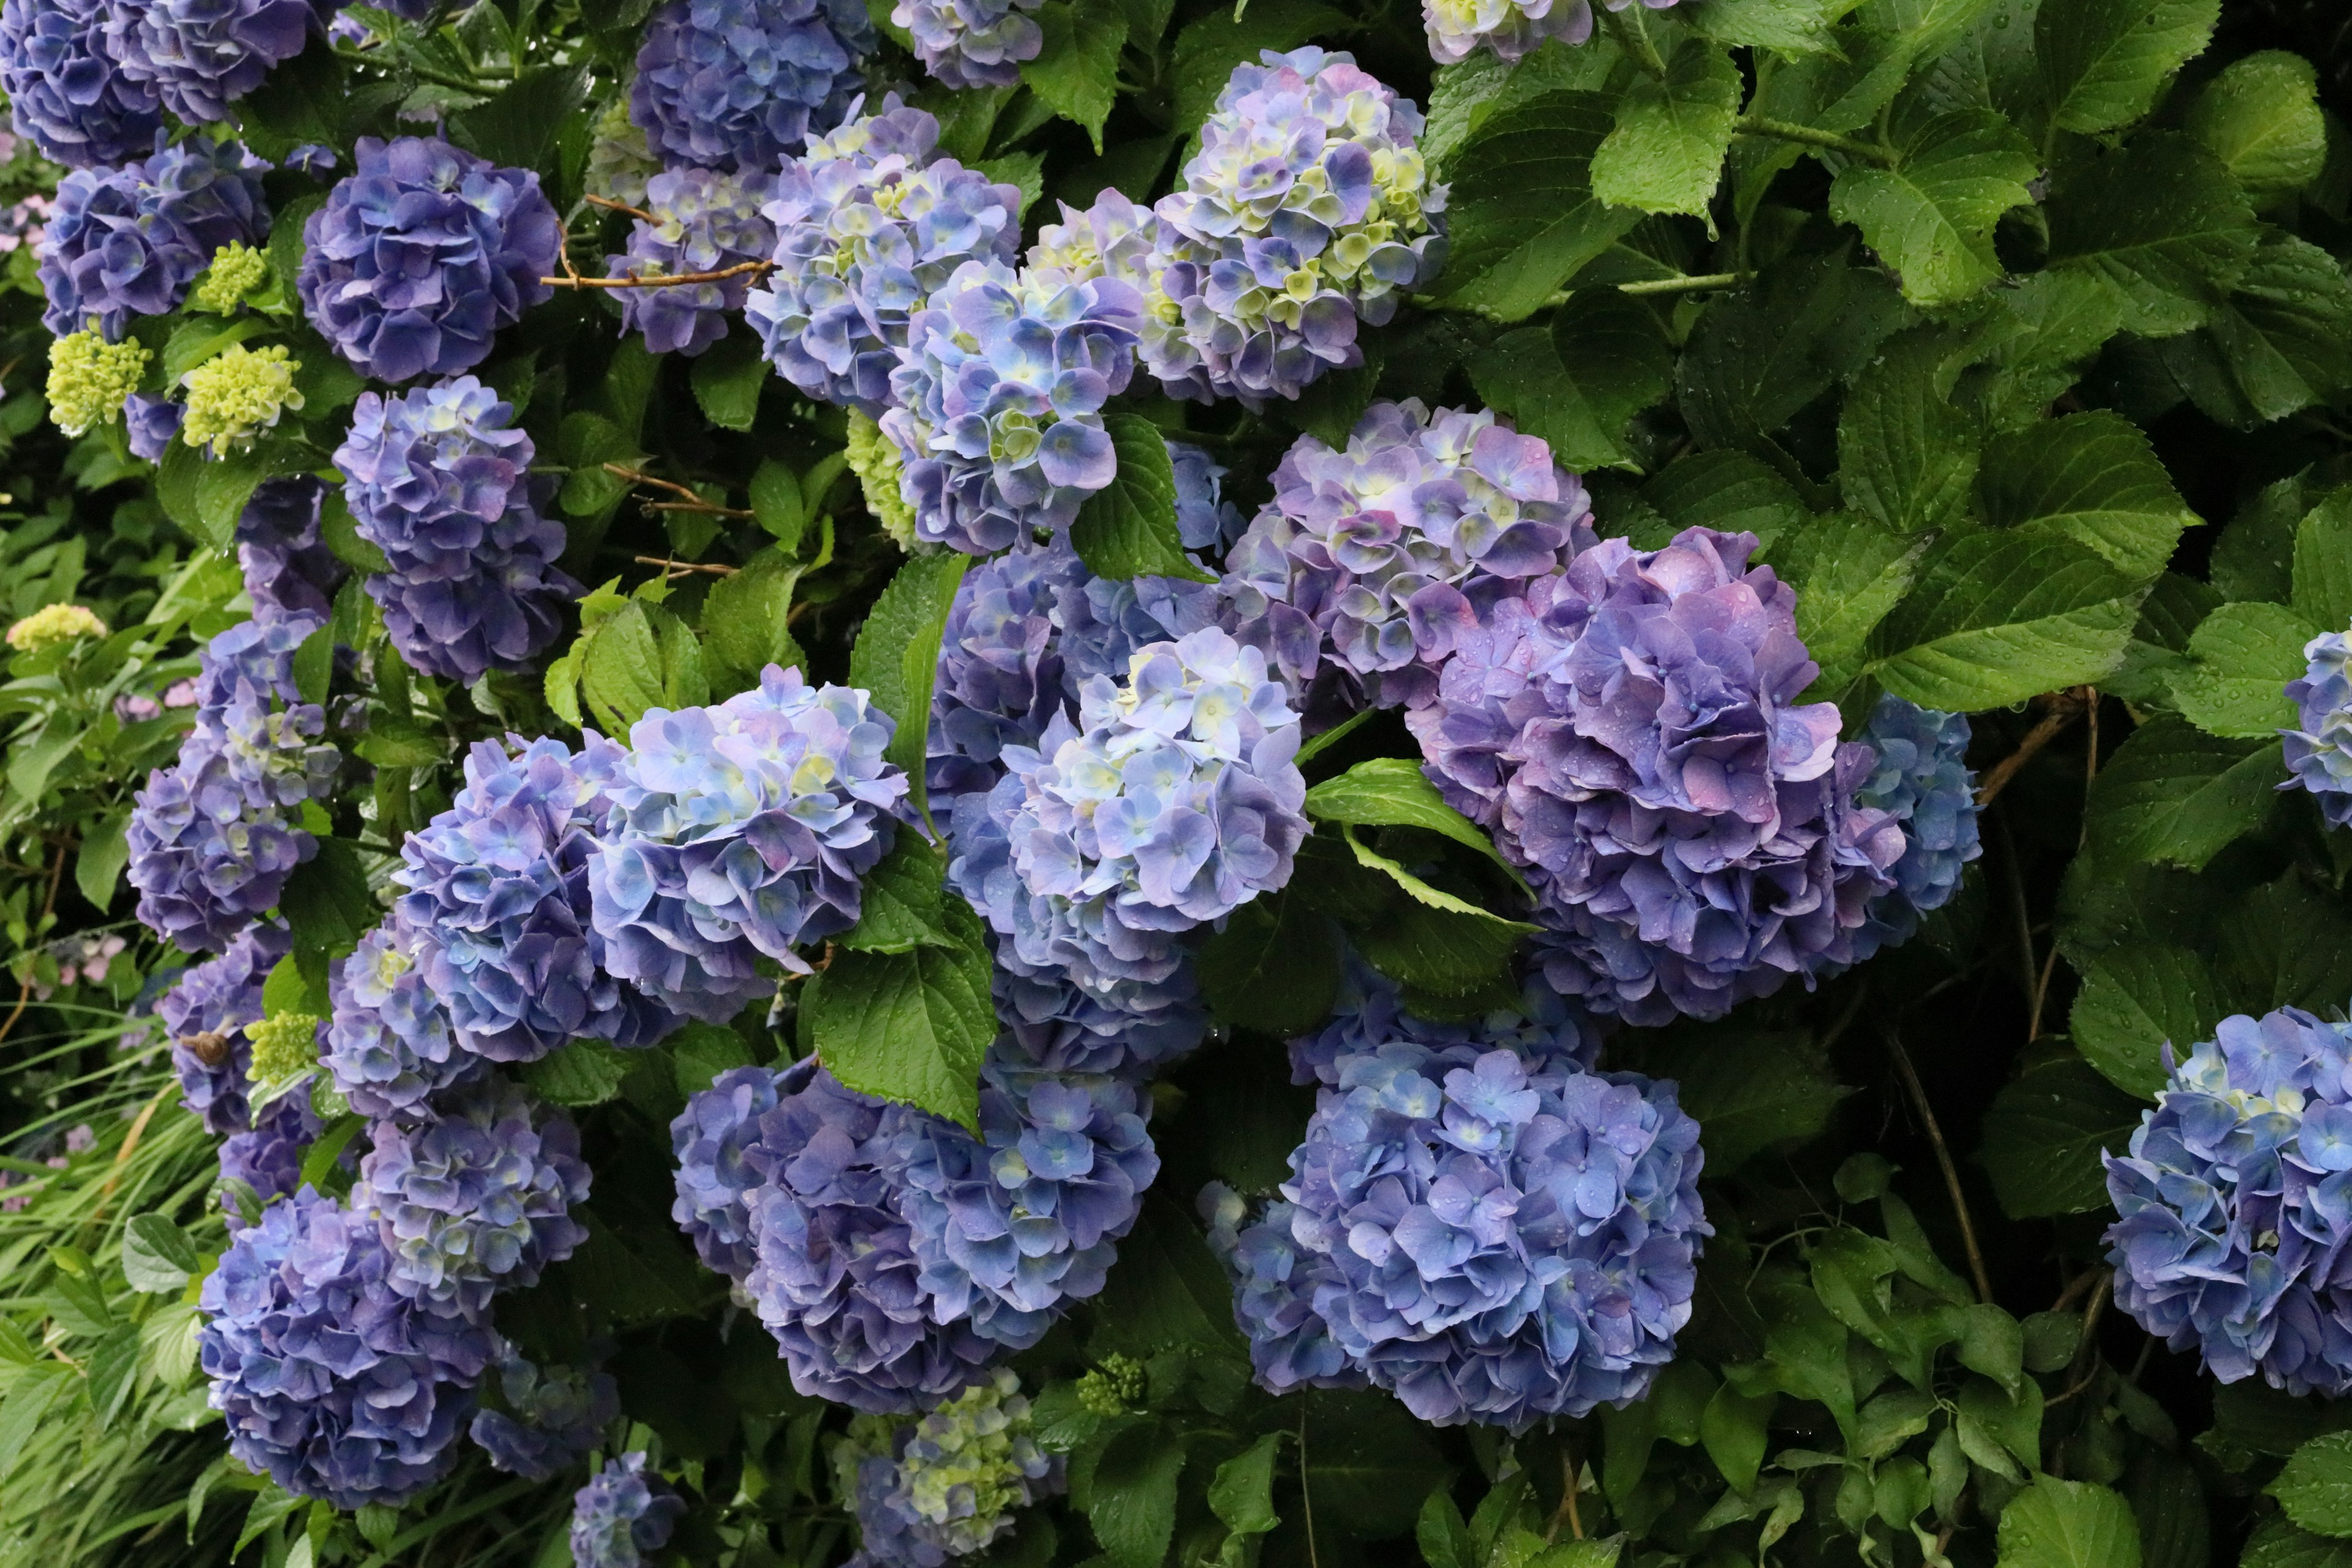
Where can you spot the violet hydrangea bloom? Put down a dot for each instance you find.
(1112, 238)
(548, 1416)
(742, 84)
(2233, 1204)
(66, 90)
(288, 569)
(334, 1384)
(869, 226)
(150, 423)
(200, 54)
(2319, 751)
(1001, 386)
(703, 222)
(1307, 209)
(438, 480)
(477, 1199)
(1370, 1011)
(130, 241)
(1508, 28)
(946, 1485)
(740, 830)
(1052, 1028)
(1395, 545)
(1105, 620)
(971, 43)
(205, 1015)
(712, 1139)
(499, 901)
(388, 1047)
(623, 1515)
(267, 1158)
(1631, 731)
(1205, 519)
(999, 671)
(1921, 779)
(421, 254)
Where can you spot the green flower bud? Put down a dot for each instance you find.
(88, 379)
(237, 272)
(237, 394)
(874, 459)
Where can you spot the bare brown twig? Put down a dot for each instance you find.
(2065, 708)
(611, 205)
(572, 278)
(681, 568)
(1944, 1159)
(693, 503)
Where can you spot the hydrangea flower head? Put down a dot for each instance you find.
(130, 241)
(1112, 240)
(200, 56)
(946, 1485)
(499, 903)
(65, 90)
(148, 424)
(1921, 779)
(548, 1416)
(421, 253)
(623, 1516)
(206, 1015)
(1000, 672)
(1205, 519)
(89, 379)
(712, 1139)
(874, 459)
(1370, 1011)
(265, 1159)
(438, 480)
(742, 84)
(236, 270)
(1000, 387)
(388, 1047)
(54, 625)
(1307, 209)
(740, 830)
(1392, 546)
(237, 394)
(1508, 28)
(703, 222)
(334, 1384)
(971, 43)
(2319, 751)
(2233, 1201)
(288, 568)
(1052, 1028)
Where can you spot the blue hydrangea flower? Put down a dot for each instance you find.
(130, 241)
(712, 1139)
(200, 54)
(1176, 803)
(1055, 1028)
(946, 1485)
(1507, 28)
(2235, 1202)
(1277, 1282)
(549, 1417)
(421, 254)
(477, 1199)
(623, 1516)
(2319, 752)
(1631, 731)
(150, 423)
(335, 1385)
(703, 222)
(1113, 238)
(1000, 672)
(742, 84)
(1104, 621)
(65, 90)
(389, 1046)
(1307, 209)
(205, 1015)
(288, 569)
(499, 901)
(1369, 1012)
(1205, 519)
(1921, 779)
(1392, 547)
(267, 1156)
(737, 831)
(971, 43)
(438, 481)
(1001, 386)
(869, 227)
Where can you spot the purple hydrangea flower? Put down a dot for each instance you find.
(1105, 620)
(1508, 28)
(288, 570)
(623, 1516)
(1057, 1028)
(476, 1199)
(205, 1015)
(1369, 1012)
(999, 671)
(1205, 519)
(65, 90)
(2319, 752)
(150, 423)
(742, 84)
(200, 54)
(1630, 729)
(2233, 1204)
(740, 830)
(438, 481)
(1393, 547)
(267, 1156)
(712, 1139)
(869, 226)
(548, 1418)
(334, 1384)
(971, 43)
(1307, 209)
(946, 1485)
(499, 901)
(1276, 1283)
(704, 222)
(389, 1046)
(421, 253)
(1921, 779)
(1113, 238)
(130, 241)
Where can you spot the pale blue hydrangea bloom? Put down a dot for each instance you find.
(1921, 779)
(703, 222)
(1507, 28)
(623, 1516)
(388, 1046)
(2320, 750)
(971, 43)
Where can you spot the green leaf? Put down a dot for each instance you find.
(621, 668)
(746, 619)
(223, 486)
(700, 1052)
(200, 337)
(585, 1072)
(910, 1027)
(2000, 1430)
(1577, 383)
(298, 983)
(1763, 351)
(327, 897)
(2259, 971)
(896, 658)
(2103, 61)
(1790, 26)
(1665, 153)
(1366, 1459)
(390, 743)
(1274, 967)
(1523, 216)
(176, 491)
(2277, 1544)
(2173, 793)
(2315, 1487)
(1388, 791)
(1442, 1535)
(1998, 617)
(2323, 562)
(1849, 572)
(157, 1256)
(99, 863)
(342, 531)
(2240, 658)
(1728, 490)
(1906, 448)
(1931, 216)
(1075, 73)
(1128, 528)
(2279, 341)
(2135, 999)
(518, 125)
(2093, 478)
(2068, 1524)
(1207, 49)
(2043, 1135)
(2260, 117)
(1441, 951)
(776, 503)
(1133, 1505)
(728, 378)
(900, 906)
(1751, 1089)
(1434, 898)
(2161, 221)
(1242, 1494)
(1733, 1426)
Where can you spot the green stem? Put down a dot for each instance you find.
(1787, 131)
(1694, 283)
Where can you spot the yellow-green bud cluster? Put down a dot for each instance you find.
(1115, 1387)
(88, 379)
(237, 272)
(285, 1046)
(237, 394)
(54, 625)
(874, 459)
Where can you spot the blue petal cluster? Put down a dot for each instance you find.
(1104, 621)
(65, 90)
(1205, 519)
(2319, 751)
(334, 1384)
(547, 1417)
(1507, 28)
(499, 901)
(205, 1015)
(1052, 1028)
(1307, 209)
(421, 254)
(1631, 731)
(971, 43)
(2235, 1202)
(1369, 1012)
(869, 226)
(742, 84)
(267, 1156)
(712, 1140)
(703, 222)
(1921, 779)
(438, 481)
(288, 570)
(622, 1516)
(946, 1485)
(389, 1046)
(477, 1199)
(130, 241)
(737, 831)
(1000, 677)
(150, 423)
(201, 53)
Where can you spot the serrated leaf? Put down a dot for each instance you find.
(2241, 659)
(1576, 384)
(900, 906)
(1207, 49)
(223, 486)
(585, 1072)
(327, 897)
(2136, 999)
(105, 851)
(1765, 350)
(2103, 61)
(2093, 477)
(1789, 26)
(1443, 950)
(2162, 221)
(1423, 892)
(2322, 563)
(1523, 216)
(2260, 117)
(896, 658)
(518, 125)
(390, 743)
(1931, 216)
(910, 1027)
(1665, 153)
(1132, 1505)
(2279, 341)
(746, 619)
(1128, 528)
(1725, 489)
(1075, 73)
(728, 378)
(1751, 1089)
(1274, 967)
(157, 1256)
(2259, 971)
(1241, 1492)
(2315, 1487)
(342, 532)
(1849, 574)
(2277, 1544)
(1906, 448)
(2056, 1523)
(2043, 1135)
(621, 668)
(1998, 617)
(2176, 794)
(776, 503)
(1388, 791)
